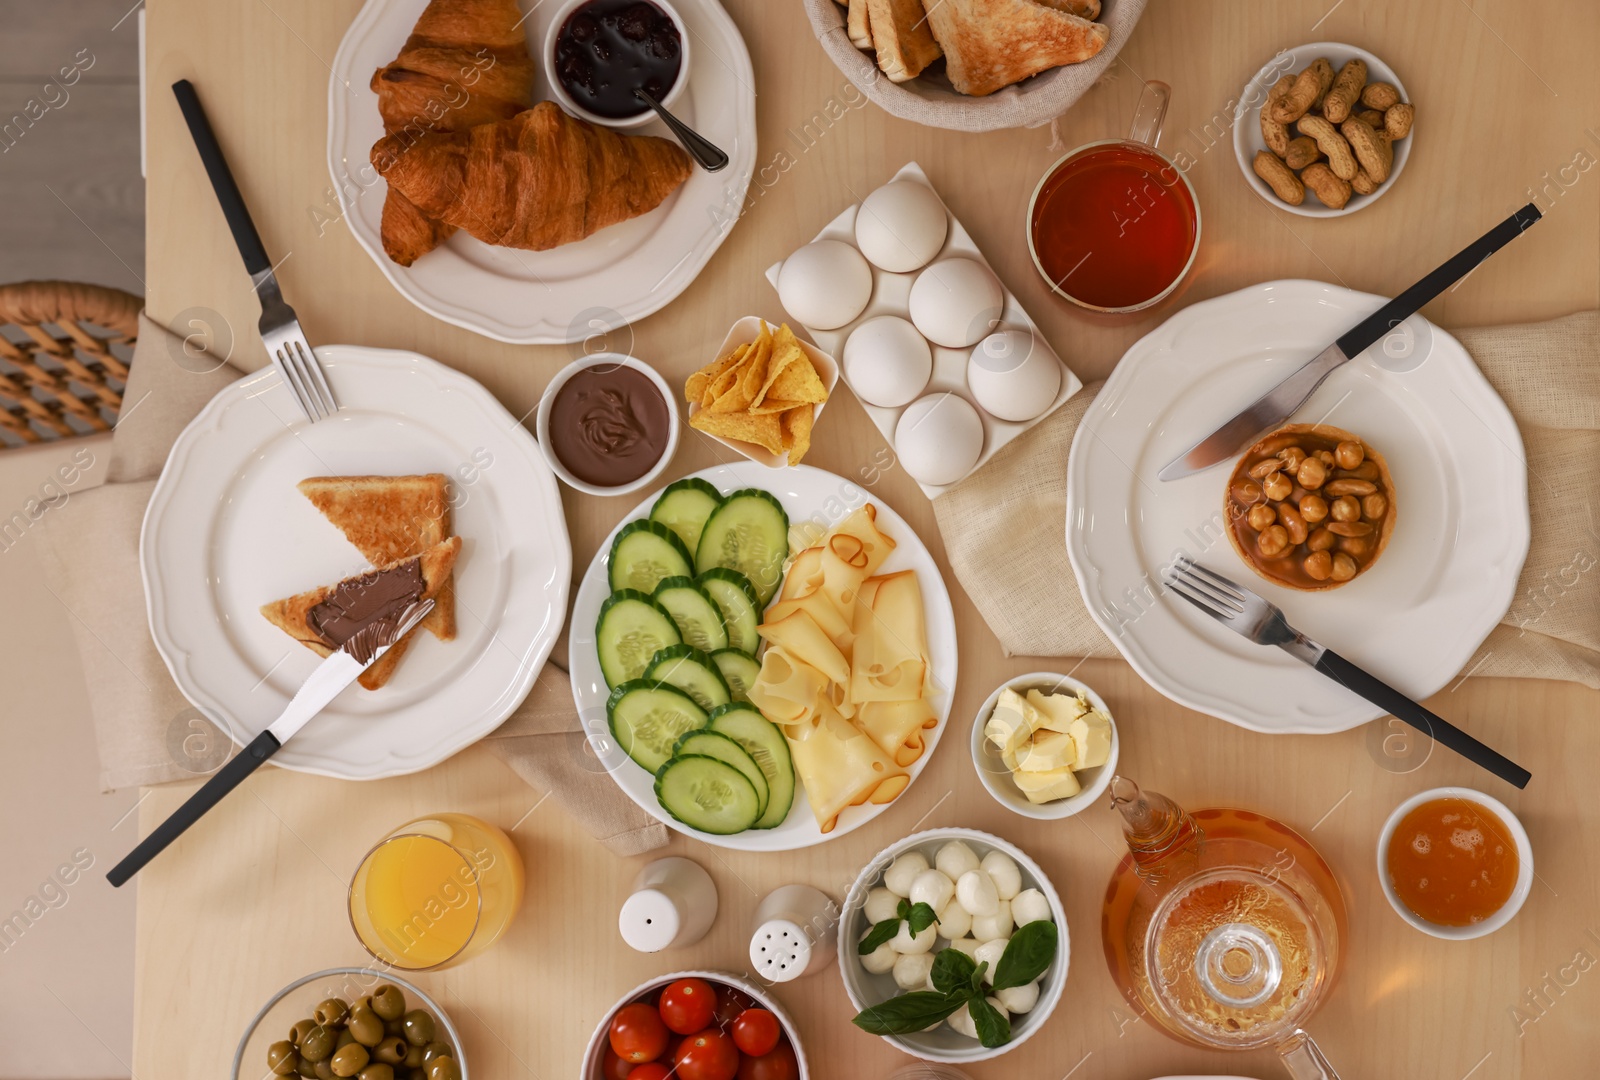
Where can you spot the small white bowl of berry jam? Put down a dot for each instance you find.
(599, 52)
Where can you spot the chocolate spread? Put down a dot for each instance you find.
(378, 596)
(608, 425)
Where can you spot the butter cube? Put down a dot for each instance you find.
(1091, 737)
(1056, 712)
(1008, 726)
(1046, 751)
(1043, 787)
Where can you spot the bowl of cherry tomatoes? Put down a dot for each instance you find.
(696, 1025)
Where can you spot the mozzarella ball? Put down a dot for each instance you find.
(1004, 873)
(990, 953)
(903, 871)
(1019, 999)
(966, 944)
(932, 888)
(906, 942)
(955, 859)
(954, 921)
(911, 970)
(998, 925)
(879, 960)
(881, 905)
(1028, 906)
(961, 1019)
(976, 893)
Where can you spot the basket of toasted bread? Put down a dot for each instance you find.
(974, 65)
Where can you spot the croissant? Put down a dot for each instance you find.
(466, 63)
(536, 181)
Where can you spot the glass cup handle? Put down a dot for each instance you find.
(1151, 113)
(1304, 1060)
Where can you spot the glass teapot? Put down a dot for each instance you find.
(1222, 926)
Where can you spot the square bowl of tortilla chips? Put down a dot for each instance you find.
(763, 393)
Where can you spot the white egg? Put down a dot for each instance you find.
(955, 302)
(976, 892)
(939, 438)
(825, 284)
(967, 945)
(911, 970)
(961, 1019)
(1028, 906)
(903, 871)
(954, 921)
(901, 226)
(886, 362)
(990, 953)
(904, 941)
(932, 888)
(1010, 378)
(1019, 999)
(879, 960)
(955, 859)
(881, 904)
(996, 926)
(1002, 870)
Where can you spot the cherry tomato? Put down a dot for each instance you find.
(755, 1032)
(778, 1065)
(653, 1071)
(614, 1068)
(730, 1003)
(637, 1033)
(688, 1005)
(708, 1055)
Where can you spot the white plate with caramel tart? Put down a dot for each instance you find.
(245, 518)
(1416, 459)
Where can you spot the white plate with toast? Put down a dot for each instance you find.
(569, 293)
(227, 531)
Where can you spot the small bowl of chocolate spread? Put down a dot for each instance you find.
(607, 425)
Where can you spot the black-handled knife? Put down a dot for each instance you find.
(222, 182)
(1281, 402)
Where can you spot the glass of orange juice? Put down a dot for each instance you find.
(436, 891)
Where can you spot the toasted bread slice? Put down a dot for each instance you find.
(990, 44)
(389, 518)
(858, 24)
(1084, 9)
(290, 615)
(901, 34)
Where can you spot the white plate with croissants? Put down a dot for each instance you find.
(489, 206)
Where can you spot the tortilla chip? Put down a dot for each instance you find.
(785, 351)
(727, 378)
(694, 391)
(798, 381)
(776, 405)
(796, 426)
(765, 431)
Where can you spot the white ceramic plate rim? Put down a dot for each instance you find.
(836, 498)
(522, 478)
(997, 784)
(685, 231)
(1177, 662)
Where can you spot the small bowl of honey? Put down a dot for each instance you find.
(1455, 863)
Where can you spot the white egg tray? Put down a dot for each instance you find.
(890, 295)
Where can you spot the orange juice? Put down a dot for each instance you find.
(436, 891)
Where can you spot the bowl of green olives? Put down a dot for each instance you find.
(351, 1024)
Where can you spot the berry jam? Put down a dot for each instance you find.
(607, 49)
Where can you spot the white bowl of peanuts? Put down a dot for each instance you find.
(1323, 130)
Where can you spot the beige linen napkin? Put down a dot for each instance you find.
(90, 552)
(1549, 375)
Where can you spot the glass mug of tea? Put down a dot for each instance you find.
(1114, 225)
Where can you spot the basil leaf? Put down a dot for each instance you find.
(993, 1029)
(903, 910)
(977, 977)
(878, 935)
(1027, 955)
(908, 1013)
(922, 916)
(952, 972)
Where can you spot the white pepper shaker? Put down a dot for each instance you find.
(797, 931)
(673, 904)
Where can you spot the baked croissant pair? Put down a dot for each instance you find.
(466, 148)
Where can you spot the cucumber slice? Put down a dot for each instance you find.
(686, 668)
(644, 553)
(741, 609)
(762, 740)
(715, 744)
(738, 670)
(699, 619)
(685, 506)
(647, 720)
(629, 633)
(749, 533)
(706, 794)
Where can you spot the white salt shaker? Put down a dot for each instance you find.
(797, 930)
(673, 904)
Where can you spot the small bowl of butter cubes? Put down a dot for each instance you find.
(1045, 745)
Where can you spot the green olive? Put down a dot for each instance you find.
(319, 1043)
(419, 1027)
(344, 1039)
(297, 1033)
(331, 1012)
(365, 1027)
(391, 1051)
(443, 1068)
(376, 1071)
(389, 1002)
(325, 1069)
(350, 1060)
(282, 1058)
(394, 1027)
(306, 1068)
(414, 1059)
(435, 1050)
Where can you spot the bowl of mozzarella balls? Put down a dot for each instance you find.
(953, 890)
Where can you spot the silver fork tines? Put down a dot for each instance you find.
(1236, 607)
(291, 353)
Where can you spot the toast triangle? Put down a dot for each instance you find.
(990, 44)
(902, 37)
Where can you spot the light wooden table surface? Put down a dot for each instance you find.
(1506, 94)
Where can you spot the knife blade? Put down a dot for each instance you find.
(1282, 401)
(337, 671)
